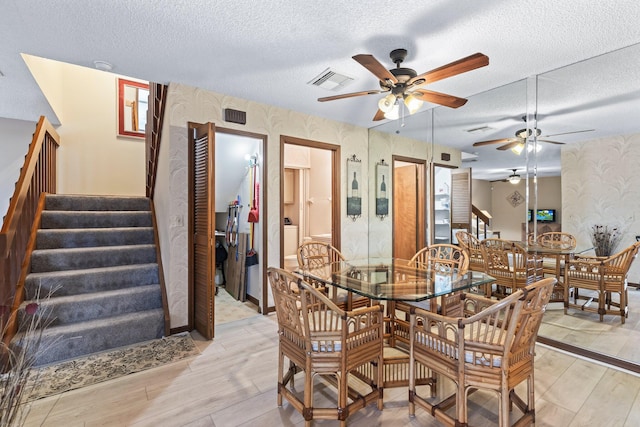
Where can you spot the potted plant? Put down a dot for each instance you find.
(605, 239)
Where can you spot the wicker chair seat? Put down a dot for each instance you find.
(450, 348)
(319, 338)
(497, 339)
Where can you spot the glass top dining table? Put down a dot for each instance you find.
(392, 279)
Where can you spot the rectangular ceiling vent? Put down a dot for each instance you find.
(330, 80)
(468, 157)
(479, 129)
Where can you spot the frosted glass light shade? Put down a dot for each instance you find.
(386, 104)
(413, 104)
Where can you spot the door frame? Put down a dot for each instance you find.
(263, 304)
(335, 187)
(421, 202)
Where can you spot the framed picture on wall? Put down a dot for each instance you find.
(354, 187)
(133, 101)
(382, 181)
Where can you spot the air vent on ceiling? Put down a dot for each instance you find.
(330, 80)
(468, 157)
(479, 129)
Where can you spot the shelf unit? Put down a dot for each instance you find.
(441, 205)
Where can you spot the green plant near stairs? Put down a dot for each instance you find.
(96, 255)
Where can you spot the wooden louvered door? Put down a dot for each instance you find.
(460, 200)
(202, 225)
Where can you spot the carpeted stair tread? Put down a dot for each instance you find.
(62, 202)
(73, 282)
(95, 219)
(63, 342)
(96, 272)
(83, 258)
(95, 305)
(92, 237)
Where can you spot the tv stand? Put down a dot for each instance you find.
(542, 227)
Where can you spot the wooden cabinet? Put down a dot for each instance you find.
(289, 186)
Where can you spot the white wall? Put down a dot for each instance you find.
(92, 159)
(15, 137)
(601, 185)
(185, 103)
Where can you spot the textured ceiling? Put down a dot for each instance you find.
(268, 51)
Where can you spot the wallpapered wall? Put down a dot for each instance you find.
(184, 104)
(383, 146)
(601, 185)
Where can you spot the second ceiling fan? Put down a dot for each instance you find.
(404, 84)
(518, 142)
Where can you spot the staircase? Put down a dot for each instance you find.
(97, 257)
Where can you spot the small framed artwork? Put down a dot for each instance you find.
(133, 100)
(515, 198)
(382, 181)
(354, 190)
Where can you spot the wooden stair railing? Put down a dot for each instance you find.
(155, 120)
(37, 176)
(153, 135)
(480, 216)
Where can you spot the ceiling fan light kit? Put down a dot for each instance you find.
(404, 84)
(514, 178)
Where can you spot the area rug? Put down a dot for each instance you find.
(93, 369)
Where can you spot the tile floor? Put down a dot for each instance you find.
(233, 383)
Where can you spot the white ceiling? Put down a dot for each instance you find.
(268, 51)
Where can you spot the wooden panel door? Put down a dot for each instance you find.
(408, 209)
(203, 224)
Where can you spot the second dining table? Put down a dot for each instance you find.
(393, 280)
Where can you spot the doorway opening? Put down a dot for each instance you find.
(227, 252)
(309, 195)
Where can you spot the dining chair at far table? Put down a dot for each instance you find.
(553, 264)
(489, 347)
(511, 265)
(316, 255)
(440, 259)
(473, 246)
(322, 340)
(601, 278)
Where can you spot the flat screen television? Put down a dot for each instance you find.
(542, 215)
(546, 215)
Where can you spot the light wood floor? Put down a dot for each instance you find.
(233, 383)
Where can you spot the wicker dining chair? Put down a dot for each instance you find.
(602, 278)
(553, 265)
(489, 346)
(473, 246)
(555, 240)
(321, 340)
(441, 259)
(315, 255)
(511, 265)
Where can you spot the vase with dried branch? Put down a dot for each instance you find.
(18, 377)
(605, 239)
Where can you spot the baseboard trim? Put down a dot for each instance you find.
(255, 301)
(180, 329)
(589, 354)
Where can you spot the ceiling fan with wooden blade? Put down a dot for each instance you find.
(514, 178)
(519, 140)
(403, 85)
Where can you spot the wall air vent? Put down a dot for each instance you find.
(330, 80)
(235, 116)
